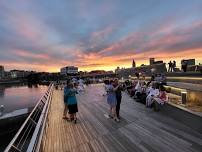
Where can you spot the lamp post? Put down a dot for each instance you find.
(184, 97)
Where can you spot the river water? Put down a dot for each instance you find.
(16, 97)
(20, 96)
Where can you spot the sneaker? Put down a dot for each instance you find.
(117, 120)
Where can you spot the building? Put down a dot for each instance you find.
(19, 73)
(151, 61)
(189, 61)
(2, 72)
(146, 69)
(133, 64)
(69, 70)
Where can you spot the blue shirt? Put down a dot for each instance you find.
(70, 96)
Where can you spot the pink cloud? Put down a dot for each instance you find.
(23, 53)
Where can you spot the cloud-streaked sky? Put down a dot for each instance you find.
(45, 35)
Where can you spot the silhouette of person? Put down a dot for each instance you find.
(170, 66)
(174, 65)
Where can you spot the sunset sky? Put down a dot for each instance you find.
(45, 35)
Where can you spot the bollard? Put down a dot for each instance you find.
(1, 110)
(184, 97)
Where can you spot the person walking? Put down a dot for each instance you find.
(118, 97)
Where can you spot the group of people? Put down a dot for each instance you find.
(72, 88)
(151, 93)
(171, 66)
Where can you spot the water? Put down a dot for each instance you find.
(17, 97)
(20, 96)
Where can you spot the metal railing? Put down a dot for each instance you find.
(29, 136)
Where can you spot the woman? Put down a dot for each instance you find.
(152, 92)
(111, 100)
(72, 102)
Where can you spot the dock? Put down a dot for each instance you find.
(139, 130)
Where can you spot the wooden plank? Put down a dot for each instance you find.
(140, 128)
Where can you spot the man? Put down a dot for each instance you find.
(118, 97)
(170, 64)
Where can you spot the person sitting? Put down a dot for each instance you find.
(131, 90)
(152, 92)
(143, 94)
(138, 90)
(161, 99)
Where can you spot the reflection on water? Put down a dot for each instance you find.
(2, 90)
(14, 97)
(20, 96)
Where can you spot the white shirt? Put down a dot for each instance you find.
(153, 92)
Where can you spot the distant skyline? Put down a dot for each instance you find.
(45, 35)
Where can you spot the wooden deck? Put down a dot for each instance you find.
(140, 128)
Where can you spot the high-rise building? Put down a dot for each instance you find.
(133, 64)
(69, 70)
(1, 71)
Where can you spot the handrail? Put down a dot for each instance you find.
(32, 125)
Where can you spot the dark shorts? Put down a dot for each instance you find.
(73, 108)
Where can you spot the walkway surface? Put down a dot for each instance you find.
(140, 129)
(188, 86)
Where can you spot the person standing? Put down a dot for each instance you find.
(174, 65)
(111, 100)
(66, 89)
(118, 97)
(170, 66)
(72, 102)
